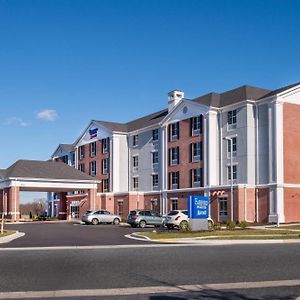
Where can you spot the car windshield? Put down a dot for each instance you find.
(88, 211)
(173, 213)
(185, 212)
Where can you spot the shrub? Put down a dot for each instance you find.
(244, 224)
(217, 226)
(230, 225)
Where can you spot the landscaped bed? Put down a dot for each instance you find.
(6, 233)
(224, 234)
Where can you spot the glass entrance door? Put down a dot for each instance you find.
(223, 210)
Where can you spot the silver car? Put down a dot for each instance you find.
(100, 216)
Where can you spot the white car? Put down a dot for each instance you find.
(179, 218)
(100, 216)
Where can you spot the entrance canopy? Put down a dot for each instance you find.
(42, 176)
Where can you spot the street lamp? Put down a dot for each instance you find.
(229, 139)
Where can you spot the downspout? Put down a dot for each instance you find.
(256, 164)
(15, 204)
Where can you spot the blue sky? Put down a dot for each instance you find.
(63, 63)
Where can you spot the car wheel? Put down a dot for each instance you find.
(170, 226)
(142, 224)
(157, 226)
(183, 225)
(116, 221)
(133, 225)
(95, 221)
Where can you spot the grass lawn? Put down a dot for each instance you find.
(224, 234)
(289, 227)
(7, 232)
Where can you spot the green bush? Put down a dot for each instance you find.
(230, 225)
(244, 224)
(217, 226)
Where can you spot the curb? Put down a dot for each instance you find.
(11, 237)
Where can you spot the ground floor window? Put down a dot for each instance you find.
(75, 209)
(120, 207)
(154, 204)
(174, 203)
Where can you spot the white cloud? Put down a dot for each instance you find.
(17, 121)
(47, 115)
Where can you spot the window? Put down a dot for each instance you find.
(175, 156)
(72, 158)
(155, 157)
(223, 210)
(155, 180)
(92, 149)
(196, 125)
(154, 203)
(93, 168)
(81, 152)
(175, 180)
(231, 119)
(196, 151)
(234, 172)
(135, 161)
(234, 146)
(135, 183)
(81, 167)
(175, 131)
(196, 177)
(105, 143)
(155, 134)
(174, 203)
(105, 166)
(135, 140)
(105, 185)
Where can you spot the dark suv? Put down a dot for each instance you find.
(142, 218)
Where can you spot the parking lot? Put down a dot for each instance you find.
(71, 234)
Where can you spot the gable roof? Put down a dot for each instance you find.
(45, 170)
(280, 90)
(2, 173)
(67, 147)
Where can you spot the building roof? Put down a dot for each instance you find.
(2, 173)
(67, 147)
(239, 94)
(280, 90)
(45, 170)
(142, 122)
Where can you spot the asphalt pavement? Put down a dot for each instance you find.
(71, 234)
(244, 272)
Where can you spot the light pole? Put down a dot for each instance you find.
(228, 139)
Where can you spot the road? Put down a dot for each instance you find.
(261, 271)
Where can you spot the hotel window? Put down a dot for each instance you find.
(174, 203)
(174, 180)
(154, 203)
(196, 125)
(174, 156)
(92, 149)
(196, 177)
(105, 143)
(135, 162)
(81, 152)
(223, 209)
(155, 134)
(234, 172)
(155, 157)
(196, 151)
(174, 131)
(155, 180)
(135, 140)
(72, 158)
(105, 184)
(93, 168)
(105, 166)
(234, 146)
(135, 183)
(81, 167)
(231, 119)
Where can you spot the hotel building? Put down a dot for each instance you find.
(240, 147)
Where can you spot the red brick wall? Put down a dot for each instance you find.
(292, 205)
(185, 139)
(291, 142)
(263, 205)
(148, 201)
(98, 158)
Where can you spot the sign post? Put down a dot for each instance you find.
(198, 212)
